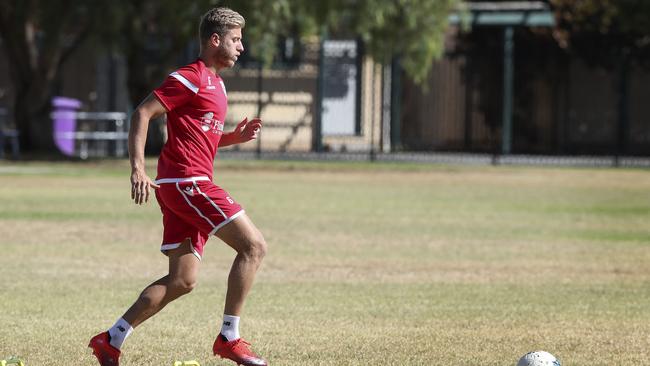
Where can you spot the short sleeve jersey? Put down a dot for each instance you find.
(196, 103)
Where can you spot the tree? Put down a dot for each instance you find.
(411, 29)
(37, 44)
(605, 32)
(613, 34)
(152, 33)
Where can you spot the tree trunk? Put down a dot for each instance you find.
(31, 113)
(36, 48)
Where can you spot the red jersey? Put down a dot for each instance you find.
(196, 103)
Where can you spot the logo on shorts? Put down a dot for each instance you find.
(209, 123)
(189, 191)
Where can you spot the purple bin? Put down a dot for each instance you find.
(65, 121)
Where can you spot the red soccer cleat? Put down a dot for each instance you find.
(237, 350)
(106, 354)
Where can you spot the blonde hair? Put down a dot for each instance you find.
(219, 21)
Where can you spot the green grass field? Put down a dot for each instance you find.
(381, 264)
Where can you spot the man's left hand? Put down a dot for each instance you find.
(248, 130)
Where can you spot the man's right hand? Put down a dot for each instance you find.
(140, 186)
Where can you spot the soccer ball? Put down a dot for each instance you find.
(538, 358)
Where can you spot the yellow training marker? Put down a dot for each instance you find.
(12, 361)
(181, 363)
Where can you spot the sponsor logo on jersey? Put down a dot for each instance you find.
(211, 124)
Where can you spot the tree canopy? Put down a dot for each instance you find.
(603, 32)
(38, 36)
(152, 33)
(411, 29)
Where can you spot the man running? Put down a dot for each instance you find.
(193, 208)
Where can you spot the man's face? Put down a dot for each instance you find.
(230, 47)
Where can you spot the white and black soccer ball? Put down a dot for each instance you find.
(538, 358)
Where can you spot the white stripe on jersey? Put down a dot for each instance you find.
(184, 81)
(223, 86)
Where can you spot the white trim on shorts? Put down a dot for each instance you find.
(215, 228)
(194, 207)
(225, 217)
(236, 215)
(180, 180)
(165, 247)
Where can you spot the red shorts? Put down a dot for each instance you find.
(193, 208)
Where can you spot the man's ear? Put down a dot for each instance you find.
(215, 39)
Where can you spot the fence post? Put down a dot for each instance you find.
(317, 131)
(508, 88)
(395, 104)
(260, 88)
(623, 109)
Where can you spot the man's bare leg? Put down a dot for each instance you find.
(242, 235)
(183, 271)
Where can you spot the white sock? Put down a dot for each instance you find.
(119, 332)
(230, 327)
